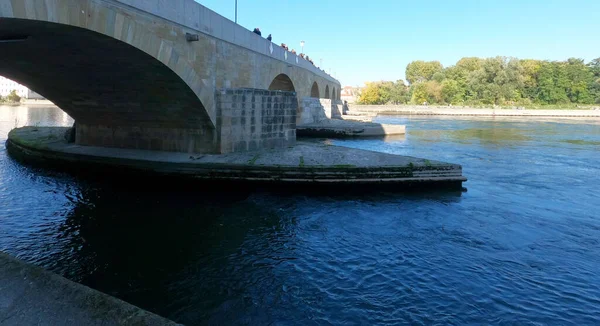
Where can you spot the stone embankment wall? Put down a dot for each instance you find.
(30, 295)
(315, 110)
(251, 119)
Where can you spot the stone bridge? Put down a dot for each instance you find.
(166, 75)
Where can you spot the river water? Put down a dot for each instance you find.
(520, 246)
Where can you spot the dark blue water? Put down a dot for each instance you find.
(521, 246)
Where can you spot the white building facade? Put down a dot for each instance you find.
(7, 86)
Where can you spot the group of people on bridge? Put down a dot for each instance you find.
(284, 46)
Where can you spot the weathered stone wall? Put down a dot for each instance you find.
(315, 110)
(311, 111)
(337, 109)
(148, 138)
(251, 119)
(247, 119)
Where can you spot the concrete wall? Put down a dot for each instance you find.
(251, 119)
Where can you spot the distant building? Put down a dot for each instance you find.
(7, 86)
(350, 94)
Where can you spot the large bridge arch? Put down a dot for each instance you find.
(69, 29)
(95, 78)
(117, 78)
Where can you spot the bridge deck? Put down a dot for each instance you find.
(312, 163)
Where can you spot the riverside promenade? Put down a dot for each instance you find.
(307, 164)
(370, 110)
(30, 295)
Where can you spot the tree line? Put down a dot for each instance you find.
(491, 81)
(12, 97)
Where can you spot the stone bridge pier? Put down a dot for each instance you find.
(159, 75)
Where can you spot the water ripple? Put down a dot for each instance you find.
(520, 247)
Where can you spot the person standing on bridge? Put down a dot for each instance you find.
(269, 38)
(257, 31)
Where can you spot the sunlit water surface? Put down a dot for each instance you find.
(521, 246)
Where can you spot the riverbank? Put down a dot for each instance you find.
(467, 111)
(33, 296)
(28, 102)
(307, 164)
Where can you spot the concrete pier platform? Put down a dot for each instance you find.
(30, 295)
(336, 128)
(313, 164)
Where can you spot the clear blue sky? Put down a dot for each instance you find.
(374, 40)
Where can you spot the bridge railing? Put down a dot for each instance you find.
(192, 15)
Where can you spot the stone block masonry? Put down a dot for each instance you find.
(311, 111)
(187, 140)
(252, 119)
(316, 110)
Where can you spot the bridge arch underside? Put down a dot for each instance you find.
(118, 95)
(282, 82)
(314, 91)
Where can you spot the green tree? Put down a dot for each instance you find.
(13, 97)
(580, 77)
(384, 92)
(460, 73)
(469, 64)
(438, 76)
(370, 94)
(530, 76)
(499, 80)
(594, 86)
(594, 66)
(399, 93)
(552, 83)
(460, 76)
(430, 92)
(422, 71)
(451, 92)
(434, 92)
(419, 93)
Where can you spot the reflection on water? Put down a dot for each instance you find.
(520, 247)
(494, 136)
(582, 142)
(18, 116)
